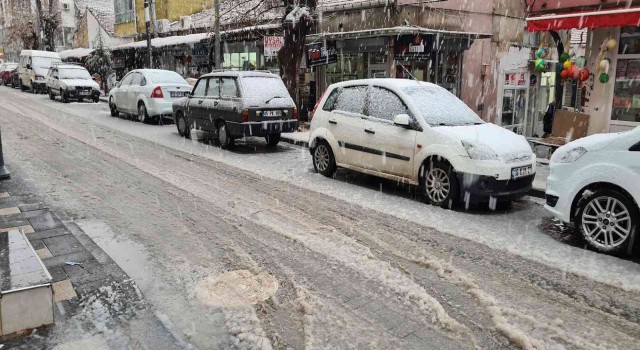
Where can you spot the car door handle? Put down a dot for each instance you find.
(200, 102)
(369, 131)
(215, 103)
(333, 122)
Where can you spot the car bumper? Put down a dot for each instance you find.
(481, 188)
(558, 192)
(92, 95)
(262, 128)
(159, 107)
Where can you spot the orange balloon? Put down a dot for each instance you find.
(564, 74)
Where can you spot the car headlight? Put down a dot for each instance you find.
(569, 156)
(479, 151)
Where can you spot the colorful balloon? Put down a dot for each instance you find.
(542, 52)
(581, 61)
(575, 72)
(611, 44)
(564, 57)
(584, 74)
(564, 74)
(604, 78)
(604, 65)
(541, 64)
(567, 64)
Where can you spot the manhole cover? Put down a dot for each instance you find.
(233, 288)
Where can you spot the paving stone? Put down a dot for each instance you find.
(61, 259)
(36, 243)
(90, 271)
(48, 233)
(63, 290)
(4, 195)
(31, 207)
(12, 221)
(24, 228)
(10, 211)
(7, 202)
(43, 253)
(45, 221)
(64, 244)
(57, 274)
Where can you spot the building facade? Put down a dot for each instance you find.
(130, 20)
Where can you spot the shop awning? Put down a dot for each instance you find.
(393, 31)
(585, 19)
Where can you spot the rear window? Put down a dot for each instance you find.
(265, 88)
(165, 77)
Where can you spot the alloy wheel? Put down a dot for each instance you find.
(437, 185)
(321, 158)
(606, 222)
(222, 135)
(142, 113)
(182, 126)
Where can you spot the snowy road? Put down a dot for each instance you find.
(358, 263)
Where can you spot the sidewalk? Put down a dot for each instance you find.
(539, 183)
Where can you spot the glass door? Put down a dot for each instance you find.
(515, 102)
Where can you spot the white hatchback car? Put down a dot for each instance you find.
(148, 93)
(421, 134)
(595, 183)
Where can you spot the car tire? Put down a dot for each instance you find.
(184, 129)
(224, 138)
(96, 99)
(272, 140)
(51, 95)
(113, 108)
(608, 220)
(64, 97)
(143, 115)
(324, 162)
(23, 88)
(439, 184)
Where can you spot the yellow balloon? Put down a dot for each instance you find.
(567, 64)
(612, 43)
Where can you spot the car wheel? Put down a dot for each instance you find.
(324, 162)
(113, 108)
(64, 97)
(183, 126)
(439, 184)
(51, 95)
(607, 220)
(143, 117)
(226, 141)
(96, 99)
(23, 88)
(272, 140)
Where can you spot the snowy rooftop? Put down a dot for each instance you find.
(75, 53)
(102, 10)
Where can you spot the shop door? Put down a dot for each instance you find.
(515, 103)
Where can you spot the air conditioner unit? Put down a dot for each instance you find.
(164, 26)
(65, 6)
(186, 22)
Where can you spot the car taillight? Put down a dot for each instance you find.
(295, 113)
(157, 93)
(317, 104)
(245, 115)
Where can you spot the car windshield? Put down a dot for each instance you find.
(439, 107)
(74, 73)
(44, 62)
(265, 88)
(165, 77)
(9, 67)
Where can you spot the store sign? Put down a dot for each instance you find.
(318, 54)
(413, 47)
(272, 44)
(118, 62)
(200, 55)
(515, 79)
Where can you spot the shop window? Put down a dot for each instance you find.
(352, 99)
(629, 41)
(241, 61)
(626, 96)
(384, 104)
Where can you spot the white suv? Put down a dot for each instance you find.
(421, 134)
(595, 183)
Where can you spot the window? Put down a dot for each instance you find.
(200, 88)
(439, 107)
(137, 79)
(626, 93)
(228, 87)
(329, 105)
(124, 11)
(213, 90)
(351, 99)
(127, 79)
(384, 104)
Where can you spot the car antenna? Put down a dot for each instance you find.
(411, 75)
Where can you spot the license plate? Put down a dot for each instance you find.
(84, 93)
(522, 171)
(272, 113)
(177, 94)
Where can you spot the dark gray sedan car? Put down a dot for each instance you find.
(234, 104)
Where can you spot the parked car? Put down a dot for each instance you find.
(71, 81)
(147, 93)
(33, 68)
(237, 104)
(5, 72)
(594, 182)
(421, 134)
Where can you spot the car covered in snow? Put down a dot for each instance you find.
(594, 182)
(235, 104)
(33, 68)
(419, 133)
(6, 71)
(147, 94)
(70, 81)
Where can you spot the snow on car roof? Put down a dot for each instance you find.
(392, 83)
(39, 53)
(232, 73)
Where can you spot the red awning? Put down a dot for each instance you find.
(586, 19)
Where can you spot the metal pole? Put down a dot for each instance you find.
(154, 18)
(4, 173)
(147, 19)
(216, 5)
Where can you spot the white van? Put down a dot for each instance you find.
(33, 68)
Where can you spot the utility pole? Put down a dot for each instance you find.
(216, 11)
(147, 19)
(154, 18)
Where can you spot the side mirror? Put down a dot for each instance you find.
(402, 120)
(117, 84)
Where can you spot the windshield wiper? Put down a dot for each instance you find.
(274, 97)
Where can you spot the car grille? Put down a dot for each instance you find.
(87, 89)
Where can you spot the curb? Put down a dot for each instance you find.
(534, 192)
